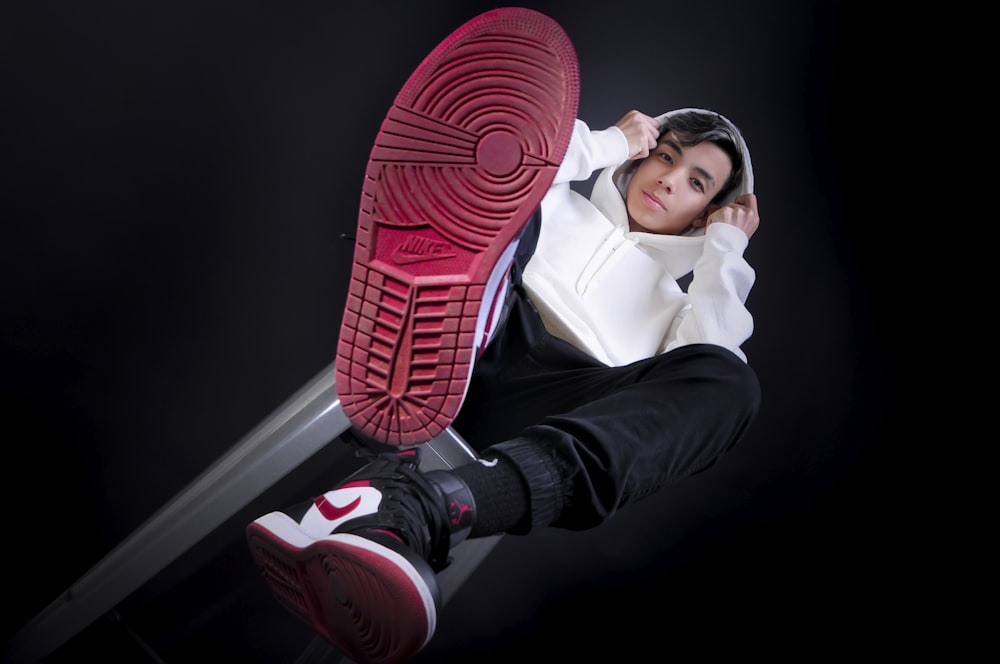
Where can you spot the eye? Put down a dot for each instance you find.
(666, 156)
(697, 184)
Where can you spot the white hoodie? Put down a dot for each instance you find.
(614, 293)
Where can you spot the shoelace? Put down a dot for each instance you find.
(414, 508)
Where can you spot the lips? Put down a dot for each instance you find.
(653, 202)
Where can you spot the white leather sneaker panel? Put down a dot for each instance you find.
(333, 508)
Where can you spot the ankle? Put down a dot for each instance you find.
(502, 493)
(459, 503)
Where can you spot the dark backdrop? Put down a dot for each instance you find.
(176, 180)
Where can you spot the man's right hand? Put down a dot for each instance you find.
(641, 131)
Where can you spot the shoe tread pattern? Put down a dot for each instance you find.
(463, 158)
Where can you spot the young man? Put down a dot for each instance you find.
(551, 329)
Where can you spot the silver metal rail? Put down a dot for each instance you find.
(300, 427)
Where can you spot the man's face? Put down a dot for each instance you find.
(672, 187)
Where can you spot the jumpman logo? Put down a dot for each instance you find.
(457, 510)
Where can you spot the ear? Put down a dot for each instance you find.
(702, 219)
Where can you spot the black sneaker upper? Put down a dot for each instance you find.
(414, 506)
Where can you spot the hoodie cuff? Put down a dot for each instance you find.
(725, 238)
(591, 151)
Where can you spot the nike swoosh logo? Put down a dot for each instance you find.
(334, 512)
(405, 258)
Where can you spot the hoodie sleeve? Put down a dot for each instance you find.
(717, 295)
(590, 151)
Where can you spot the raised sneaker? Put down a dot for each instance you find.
(358, 563)
(461, 162)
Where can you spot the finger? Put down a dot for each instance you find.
(748, 200)
(654, 133)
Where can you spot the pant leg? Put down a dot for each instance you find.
(591, 438)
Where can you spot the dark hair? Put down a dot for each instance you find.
(694, 127)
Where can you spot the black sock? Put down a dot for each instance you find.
(501, 494)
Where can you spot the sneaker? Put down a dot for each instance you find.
(461, 162)
(358, 563)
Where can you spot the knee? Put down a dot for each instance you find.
(743, 382)
(719, 372)
(742, 375)
(748, 385)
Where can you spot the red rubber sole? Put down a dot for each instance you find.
(366, 600)
(461, 162)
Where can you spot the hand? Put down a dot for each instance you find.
(741, 213)
(641, 131)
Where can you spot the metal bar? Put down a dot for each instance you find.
(310, 419)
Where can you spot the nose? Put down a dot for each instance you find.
(666, 181)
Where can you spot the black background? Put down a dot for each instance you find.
(177, 177)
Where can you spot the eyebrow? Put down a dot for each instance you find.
(677, 147)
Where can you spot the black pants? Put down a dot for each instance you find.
(591, 438)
